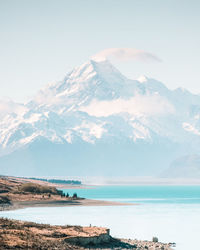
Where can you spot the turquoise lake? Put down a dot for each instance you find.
(172, 213)
(142, 194)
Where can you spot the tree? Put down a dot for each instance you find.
(74, 195)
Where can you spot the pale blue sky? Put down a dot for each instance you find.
(41, 40)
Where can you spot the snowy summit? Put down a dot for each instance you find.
(106, 119)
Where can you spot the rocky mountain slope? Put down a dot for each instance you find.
(98, 122)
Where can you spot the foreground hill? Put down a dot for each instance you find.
(28, 235)
(98, 122)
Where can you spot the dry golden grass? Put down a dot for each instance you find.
(15, 190)
(37, 189)
(28, 235)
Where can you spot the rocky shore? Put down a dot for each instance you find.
(28, 235)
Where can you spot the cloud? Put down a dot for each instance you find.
(8, 106)
(126, 54)
(137, 105)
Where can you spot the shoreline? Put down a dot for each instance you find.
(61, 203)
(17, 193)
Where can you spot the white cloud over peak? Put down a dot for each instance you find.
(137, 105)
(126, 54)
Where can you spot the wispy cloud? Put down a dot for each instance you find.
(126, 54)
(137, 105)
(7, 106)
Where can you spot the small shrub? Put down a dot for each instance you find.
(60, 192)
(74, 195)
(155, 239)
(4, 200)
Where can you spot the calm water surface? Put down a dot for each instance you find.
(143, 194)
(172, 213)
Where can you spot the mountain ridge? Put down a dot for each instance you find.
(96, 105)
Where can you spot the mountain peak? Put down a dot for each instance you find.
(103, 70)
(97, 109)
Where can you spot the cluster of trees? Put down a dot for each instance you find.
(58, 181)
(62, 194)
(69, 182)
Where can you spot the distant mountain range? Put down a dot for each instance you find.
(187, 166)
(98, 122)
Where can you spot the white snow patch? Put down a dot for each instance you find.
(90, 130)
(83, 73)
(139, 132)
(68, 136)
(188, 127)
(28, 139)
(33, 118)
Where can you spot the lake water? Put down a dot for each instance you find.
(172, 213)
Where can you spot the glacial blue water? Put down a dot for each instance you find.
(172, 213)
(142, 194)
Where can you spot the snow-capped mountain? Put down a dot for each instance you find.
(96, 121)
